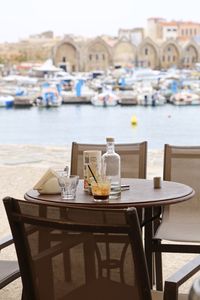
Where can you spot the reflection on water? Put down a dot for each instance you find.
(85, 123)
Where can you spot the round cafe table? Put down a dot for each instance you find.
(141, 194)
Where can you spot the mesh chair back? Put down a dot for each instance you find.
(63, 255)
(133, 158)
(182, 164)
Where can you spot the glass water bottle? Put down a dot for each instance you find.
(111, 168)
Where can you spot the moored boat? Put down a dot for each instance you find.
(151, 98)
(105, 99)
(6, 101)
(185, 98)
(50, 96)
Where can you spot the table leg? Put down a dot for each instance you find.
(148, 234)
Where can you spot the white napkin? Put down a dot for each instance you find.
(48, 184)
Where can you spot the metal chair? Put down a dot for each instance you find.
(133, 158)
(180, 223)
(82, 231)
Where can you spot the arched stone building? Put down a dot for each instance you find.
(67, 55)
(190, 55)
(97, 55)
(124, 53)
(148, 54)
(100, 54)
(170, 54)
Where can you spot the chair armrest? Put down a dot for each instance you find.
(173, 282)
(6, 241)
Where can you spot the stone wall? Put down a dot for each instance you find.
(81, 54)
(99, 54)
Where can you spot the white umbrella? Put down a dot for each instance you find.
(47, 66)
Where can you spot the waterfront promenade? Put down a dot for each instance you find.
(21, 166)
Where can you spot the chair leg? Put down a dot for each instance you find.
(158, 253)
(148, 242)
(159, 273)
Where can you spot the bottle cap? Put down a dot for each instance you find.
(110, 139)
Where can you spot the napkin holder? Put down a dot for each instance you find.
(48, 184)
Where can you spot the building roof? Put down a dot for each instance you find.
(156, 19)
(178, 23)
(171, 23)
(109, 40)
(188, 23)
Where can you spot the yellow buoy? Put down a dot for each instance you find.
(134, 120)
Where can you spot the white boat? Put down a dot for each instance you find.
(105, 99)
(6, 101)
(151, 98)
(185, 98)
(50, 96)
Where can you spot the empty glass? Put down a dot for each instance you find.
(68, 184)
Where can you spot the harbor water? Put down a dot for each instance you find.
(89, 124)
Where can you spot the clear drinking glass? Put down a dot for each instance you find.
(68, 184)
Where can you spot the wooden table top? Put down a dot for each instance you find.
(140, 194)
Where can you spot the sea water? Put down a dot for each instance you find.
(89, 124)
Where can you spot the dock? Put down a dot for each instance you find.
(76, 100)
(128, 101)
(24, 101)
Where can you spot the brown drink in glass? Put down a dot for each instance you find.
(100, 190)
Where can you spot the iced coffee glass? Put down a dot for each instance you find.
(100, 189)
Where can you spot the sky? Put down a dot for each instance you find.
(90, 18)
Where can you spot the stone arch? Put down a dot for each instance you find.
(98, 56)
(148, 55)
(67, 53)
(124, 54)
(190, 55)
(170, 54)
